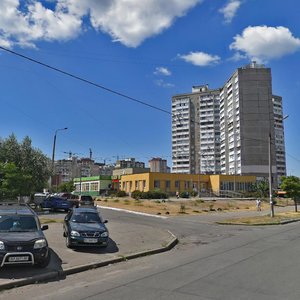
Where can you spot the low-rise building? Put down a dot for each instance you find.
(93, 186)
(175, 182)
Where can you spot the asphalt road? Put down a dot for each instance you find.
(211, 262)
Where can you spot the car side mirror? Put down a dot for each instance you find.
(105, 221)
(45, 227)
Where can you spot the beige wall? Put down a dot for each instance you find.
(173, 182)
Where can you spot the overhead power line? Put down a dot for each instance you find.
(107, 89)
(86, 81)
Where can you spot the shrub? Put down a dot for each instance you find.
(194, 193)
(149, 195)
(136, 194)
(157, 195)
(121, 194)
(184, 194)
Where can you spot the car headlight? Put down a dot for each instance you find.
(2, 246)
(40, 244)
(104, 234)
(75, 233)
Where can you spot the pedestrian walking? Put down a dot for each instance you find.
(177, 195)
(258, 204)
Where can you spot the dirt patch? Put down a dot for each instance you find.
(280, 218)
(180, 207)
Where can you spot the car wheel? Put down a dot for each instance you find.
(64, 234)
(46, 262)
(68, 242)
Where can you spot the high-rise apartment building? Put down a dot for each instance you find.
(196, 131)
(227, 130)
(247, 120)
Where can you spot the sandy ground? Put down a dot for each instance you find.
(183, 206)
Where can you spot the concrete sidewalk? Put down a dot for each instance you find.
(126, 242)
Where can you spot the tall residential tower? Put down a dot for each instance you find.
(227, 130)
(196, 131)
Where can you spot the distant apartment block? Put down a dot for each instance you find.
(66, 170)
(226, 130)
(129, 163)
(158, 164)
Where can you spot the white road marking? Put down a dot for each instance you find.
(132, 212)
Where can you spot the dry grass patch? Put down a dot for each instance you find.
(279, 218)
(49, 220)
(183, 207)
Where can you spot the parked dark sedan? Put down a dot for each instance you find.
(22, 241)
(84, 226)
(56, 203)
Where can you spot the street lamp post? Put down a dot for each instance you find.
(270, 180)
(53, 149)
(270, 173)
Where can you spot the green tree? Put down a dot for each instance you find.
(13, 183)
(28, 162)
(261, 188)
(291, 185)
(67, 187)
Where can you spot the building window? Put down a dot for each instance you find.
(186, 185)
(177, 184)
(85, 187)
(144, 184)
(94, 186)
(156, 184)
(77, 187)
(168, 184)
(136, 185)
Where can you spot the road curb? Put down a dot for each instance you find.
(61, 273)
(172, 243)
(29, 280)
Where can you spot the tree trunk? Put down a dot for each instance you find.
(295, 202)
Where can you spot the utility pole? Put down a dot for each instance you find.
(53, 153)
(270, 180)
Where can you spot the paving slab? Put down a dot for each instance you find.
(126, 242)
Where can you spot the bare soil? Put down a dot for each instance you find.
(183, 206)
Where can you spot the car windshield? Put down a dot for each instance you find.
(86, 217)
(17, 223)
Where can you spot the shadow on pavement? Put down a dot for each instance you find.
(111, 248)
(25, 271)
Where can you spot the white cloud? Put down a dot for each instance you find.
(162, 71)
(230, 10)
(34, 23)
(262, 43)
(129, 22)
(200, 58)
(238, 56)
(164, 84)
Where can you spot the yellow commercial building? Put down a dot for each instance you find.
(174, 182)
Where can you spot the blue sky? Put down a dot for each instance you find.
(148, 50)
